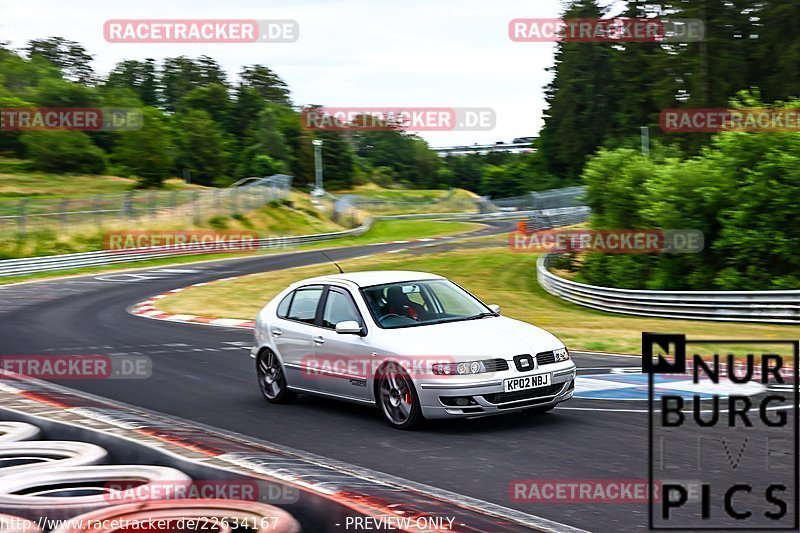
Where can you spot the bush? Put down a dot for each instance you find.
(63, 151)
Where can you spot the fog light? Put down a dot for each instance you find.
(562, 354)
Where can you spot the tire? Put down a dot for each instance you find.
(397, 397)
(271, 378)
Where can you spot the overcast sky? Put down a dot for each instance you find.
(351, 53)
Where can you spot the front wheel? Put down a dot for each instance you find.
(271, 379)
(397, 398)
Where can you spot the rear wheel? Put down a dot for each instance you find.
(397, 398)
(271, 379)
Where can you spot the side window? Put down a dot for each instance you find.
(283, 307)
(339, 308)
(304, 305)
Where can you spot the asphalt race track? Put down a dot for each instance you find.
(205, 374)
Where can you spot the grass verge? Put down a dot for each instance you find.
(381, 231)
(494, 274)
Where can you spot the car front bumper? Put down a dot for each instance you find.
(446, 399)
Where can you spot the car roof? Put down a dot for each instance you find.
(372, 277)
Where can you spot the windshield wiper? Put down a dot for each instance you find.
(480, 315)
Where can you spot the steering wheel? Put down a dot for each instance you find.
(384, 317)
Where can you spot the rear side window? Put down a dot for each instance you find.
(339, 308)
(304, 305)
(283, 307)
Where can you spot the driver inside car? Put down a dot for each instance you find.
(398, 303)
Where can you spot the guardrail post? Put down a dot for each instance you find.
(96, 209)
(63, 207)
(196, 206)
(173, 202)
(127, 205)
(22, 216)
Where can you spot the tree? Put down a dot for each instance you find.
(53, 92)
(146, 153)
(213, 99)
(580, 99)
(181, 75)
(69, 57)
(467, 171)
(201, 147)
(267, 83)
(139, 76)
(63, 151)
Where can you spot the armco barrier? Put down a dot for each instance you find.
(52, 263)
(779, 307)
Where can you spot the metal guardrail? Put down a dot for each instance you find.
(779, 307)
(52, 263)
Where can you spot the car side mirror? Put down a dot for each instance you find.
(495, 308)
(349, 327)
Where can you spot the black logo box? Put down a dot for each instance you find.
(678, 366)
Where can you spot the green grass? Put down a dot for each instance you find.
(381, 231)
(401, 230)
(32, 184)
(266, 221)
(406, 195)
(494, 274)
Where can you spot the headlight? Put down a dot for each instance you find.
(449, 369)
(562, 354)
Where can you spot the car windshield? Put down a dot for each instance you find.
(418, 303)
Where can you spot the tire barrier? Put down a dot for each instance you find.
(222, 516)
(32, 456)
(62, 486)
(17, 431)
(64, 492)
(17, 524)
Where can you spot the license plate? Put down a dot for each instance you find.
(526, 382)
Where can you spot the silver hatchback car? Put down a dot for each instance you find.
(414, 344)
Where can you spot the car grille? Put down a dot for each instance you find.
(504, 397)
(546, 358)
(495, 365)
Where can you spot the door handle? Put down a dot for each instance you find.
(276, 332)
(318, 340)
